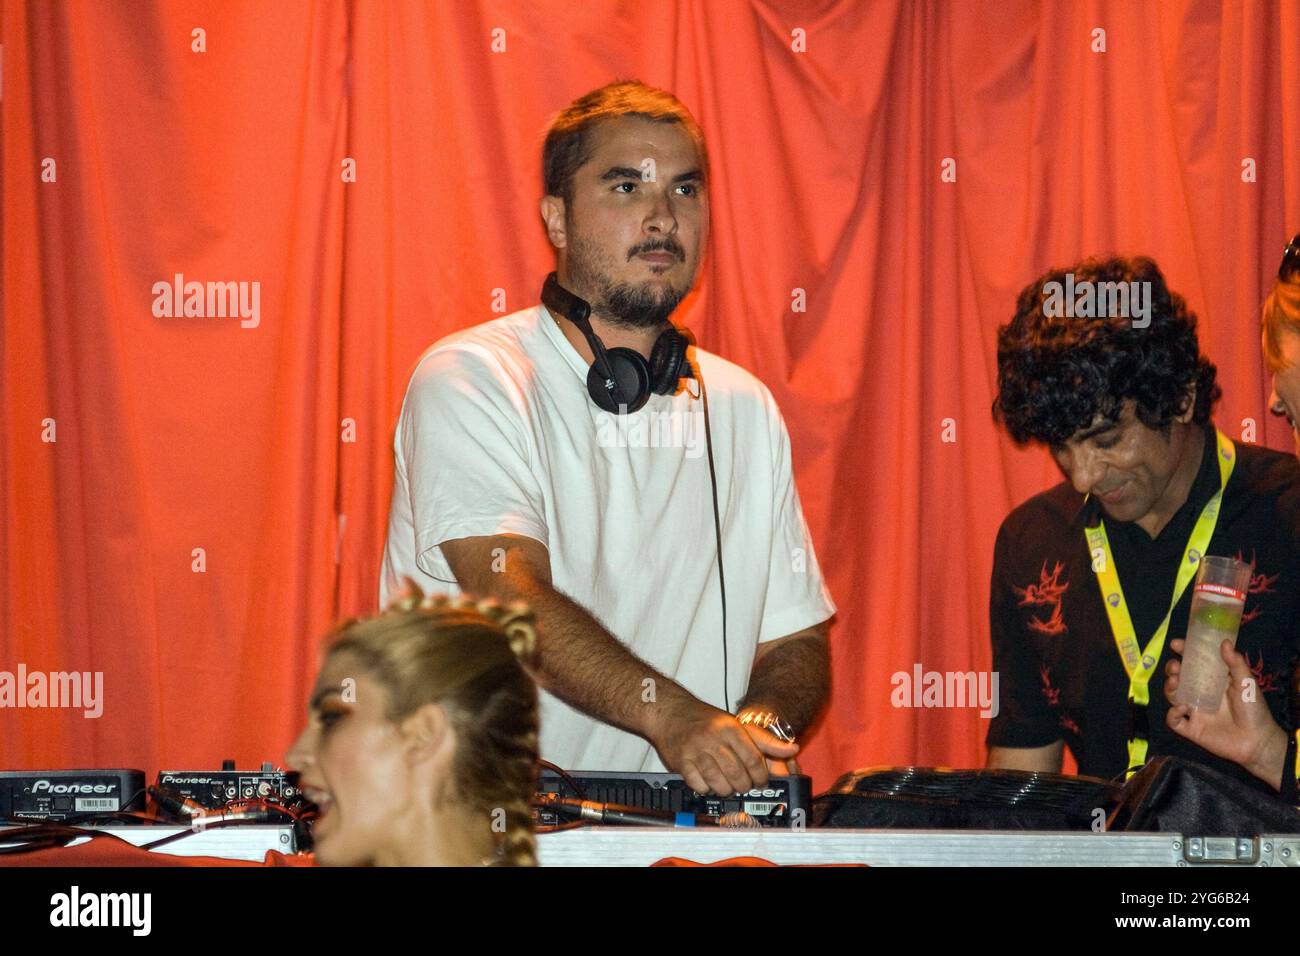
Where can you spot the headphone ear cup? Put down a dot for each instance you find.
(631, 382)
(667, 359)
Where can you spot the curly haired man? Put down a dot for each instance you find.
(1124, 403)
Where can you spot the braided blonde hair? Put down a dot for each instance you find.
(469, 656)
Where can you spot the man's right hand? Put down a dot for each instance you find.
(711, 749)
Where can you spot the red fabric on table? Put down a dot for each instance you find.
(107, 851)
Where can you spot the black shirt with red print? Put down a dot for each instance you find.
(1060, 673)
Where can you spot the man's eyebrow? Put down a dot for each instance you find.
(627, 172)
(1096, 430)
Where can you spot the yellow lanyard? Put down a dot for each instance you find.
(1141, 664)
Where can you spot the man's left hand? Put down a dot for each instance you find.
(764, 739)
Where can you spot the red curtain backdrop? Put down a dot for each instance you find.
(130, 157)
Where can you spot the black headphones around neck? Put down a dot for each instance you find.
(621, 380)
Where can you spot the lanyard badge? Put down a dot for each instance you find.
(1140, 663)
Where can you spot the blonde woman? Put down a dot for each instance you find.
(1281, 324)
(421, 743)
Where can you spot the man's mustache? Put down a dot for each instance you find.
(671, 247)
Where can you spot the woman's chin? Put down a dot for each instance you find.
(329, 853)
(329, 850)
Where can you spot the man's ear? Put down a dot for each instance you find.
(553, 218)
(1190, 410)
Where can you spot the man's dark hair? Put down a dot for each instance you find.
(568, 140)
(1056, 373)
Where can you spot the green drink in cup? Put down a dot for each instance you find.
(1218, 598)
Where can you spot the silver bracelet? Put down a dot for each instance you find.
(770, 721)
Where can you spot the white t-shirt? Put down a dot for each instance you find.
(498, 435)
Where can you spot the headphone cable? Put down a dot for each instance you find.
(717, 535)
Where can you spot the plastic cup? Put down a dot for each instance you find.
(1217, 601)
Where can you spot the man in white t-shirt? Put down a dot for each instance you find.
(511, 482)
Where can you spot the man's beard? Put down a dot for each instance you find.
(645, 306)
(639, 307)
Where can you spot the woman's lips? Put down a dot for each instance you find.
(321, 798)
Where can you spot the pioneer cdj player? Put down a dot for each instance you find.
(60, 794)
